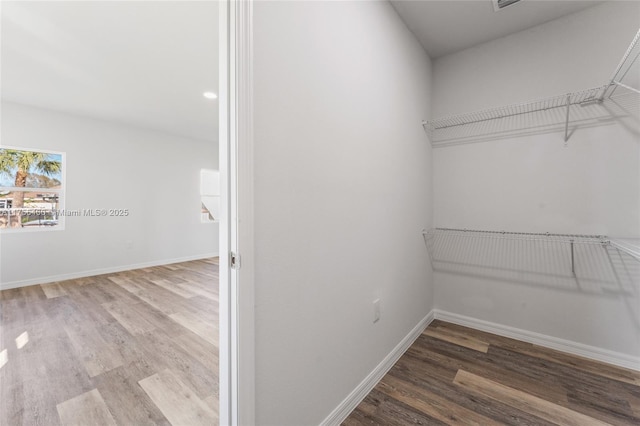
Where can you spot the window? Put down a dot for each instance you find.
(209, 195)
(31, 189)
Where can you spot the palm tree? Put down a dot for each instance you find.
(22, 163)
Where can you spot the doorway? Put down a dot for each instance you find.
(124, 269)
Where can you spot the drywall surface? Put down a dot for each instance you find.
(109, 166)
(533, 183)
(342, 193)
(573, 53)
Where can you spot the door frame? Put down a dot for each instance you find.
(237, 308)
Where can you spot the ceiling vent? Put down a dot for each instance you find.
(501, 4)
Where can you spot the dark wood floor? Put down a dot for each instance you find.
(457, 376)
(132, 348)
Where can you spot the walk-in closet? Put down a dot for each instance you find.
(458, 212)
(536, 203)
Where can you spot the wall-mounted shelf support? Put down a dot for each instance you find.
(628, 246)
(628, 59)
(633, 89)
(566, 123)
(573, 263)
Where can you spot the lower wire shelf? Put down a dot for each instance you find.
(588, 263)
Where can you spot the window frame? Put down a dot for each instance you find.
(61, 192)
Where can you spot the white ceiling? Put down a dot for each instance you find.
(147, 63)
(447, 26)
(140, 63)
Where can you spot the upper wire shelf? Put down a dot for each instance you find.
(560, 101)
(627, 245)
(551, 111)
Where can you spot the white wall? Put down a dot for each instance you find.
(576, 52)
(154, 175)
(343, 191)
(533, 183)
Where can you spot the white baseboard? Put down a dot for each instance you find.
(342, 411)
(562, 345)
(94, 272)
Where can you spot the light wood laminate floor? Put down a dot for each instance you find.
(454, 375)
(131, 348)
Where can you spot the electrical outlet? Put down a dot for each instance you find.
(376, 310)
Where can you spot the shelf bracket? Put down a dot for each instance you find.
(566, 124)
(633, 89)
(613, 83)
(573, 265)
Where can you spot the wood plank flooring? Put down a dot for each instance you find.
(132, 348)
(454, 375)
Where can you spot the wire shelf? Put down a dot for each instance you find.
(560, 101)
(547, 113)
(528, 236)
(571, 262)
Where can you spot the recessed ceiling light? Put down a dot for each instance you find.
(210, 95)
